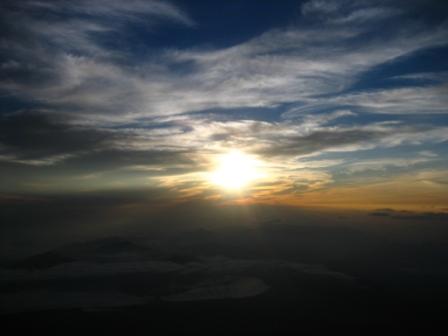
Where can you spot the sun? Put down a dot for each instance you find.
(235, 170)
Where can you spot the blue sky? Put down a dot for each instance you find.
(338, 99)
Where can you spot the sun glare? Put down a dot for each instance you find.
(235, 171)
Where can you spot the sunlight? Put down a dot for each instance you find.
(235, 171)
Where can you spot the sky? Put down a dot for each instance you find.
(340, 103)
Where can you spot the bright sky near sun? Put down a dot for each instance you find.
(235, 170)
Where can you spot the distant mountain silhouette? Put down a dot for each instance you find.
(109, 249)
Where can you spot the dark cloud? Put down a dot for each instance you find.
(410, 215)
(120, 158)
(321, 140)
(37, 138)
(33, 135)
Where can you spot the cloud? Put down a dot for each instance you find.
(350, 12)
(131, 10)
(409, 215)
(279, 66)
(322, 140)
(36, 135)
(60, 56)
(417, 100)
(369, 165)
